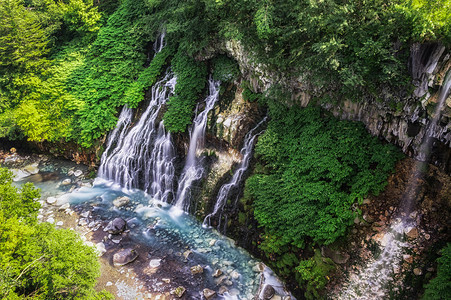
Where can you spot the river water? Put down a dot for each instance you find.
(169, 242)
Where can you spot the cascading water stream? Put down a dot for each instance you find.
(224, 192)
(143, 155)
(193, 169)
(372, 281)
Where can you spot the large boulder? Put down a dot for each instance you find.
(121, 201)
(116, 226)
(124, 257)
(268, 292)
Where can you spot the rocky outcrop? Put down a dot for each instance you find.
(400, 117)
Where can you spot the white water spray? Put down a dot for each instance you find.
(193, 169)
(145, 150)
(224, 192)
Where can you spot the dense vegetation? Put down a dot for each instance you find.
(38, 261)
(440, 286)
(68, 66)
(314, 169)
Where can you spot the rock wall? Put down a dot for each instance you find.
(400, 117)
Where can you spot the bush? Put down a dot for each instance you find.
(38, 261)
(440, 286)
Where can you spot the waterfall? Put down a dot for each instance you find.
(193, 169)
(143, 155)
(117, 135)
(373, 280)
(224, 191)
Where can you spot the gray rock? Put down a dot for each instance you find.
(51, 200)
(217, 273)
(124, 257)
(268, 292)
(66, 181)
(32, 169)
(116, 226)
(121, 201)
(78, 173)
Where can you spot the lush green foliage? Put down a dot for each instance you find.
(314, 272)
(317, 167)
(67, 66)
(225, 69)
(36, 260)
(191, 77)
(440, 286)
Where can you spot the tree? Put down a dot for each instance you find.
(38, 261)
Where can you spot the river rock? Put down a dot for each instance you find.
(197, 270)
(417, 271)
(51, 200)
(412, 233)
(116, 226)
(124, 257)
(100, 248)
(155, 263)
(66, 181)
(32, 169)
(121, 201)
(268, 292)
(187, 253)
(222, 290)
(64, 206)
(259, 267)
(217, 273)
(78, 173)
(208, 294)
(179, 291)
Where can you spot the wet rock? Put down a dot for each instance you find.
(51, 220)
(59, 223)
(235, 275)
(109, 283)
(64, 206)
(100, 247)
(212, 242)
(268, 292)
(78, 173)
(259, 267)
(82, 222)
(407, 258)
(166, 280)
(208, 294)
(417, 271)
(197, 270)
(66, 181)
(412, 233)
(121, 201)
(276, 297)
(32, 169)
(222, 290)
(178, 292)
(155, 263)
(51, 200)
(187, 253)
(116, 226)
(217, 273)
(427, 236)
(366, 201)
(124, 257)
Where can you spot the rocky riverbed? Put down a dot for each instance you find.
(148, 249)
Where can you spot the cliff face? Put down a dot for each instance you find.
(400, 117)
